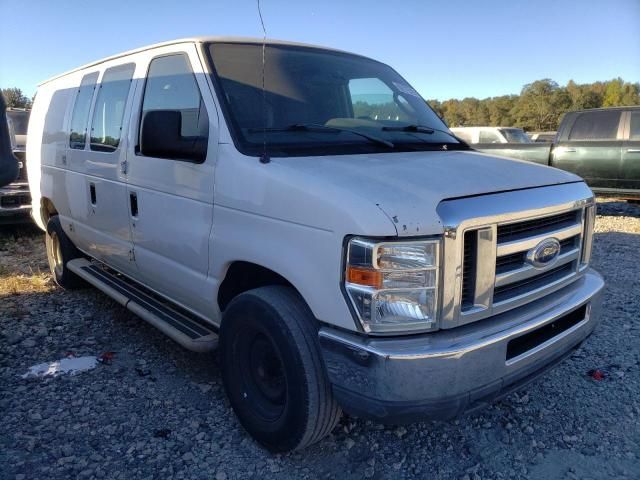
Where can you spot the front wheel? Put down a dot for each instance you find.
(273, 371)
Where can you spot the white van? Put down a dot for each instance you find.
(314, 218)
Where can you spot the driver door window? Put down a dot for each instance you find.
(171, 85)
(372, 99)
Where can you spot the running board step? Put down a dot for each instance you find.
(189, 330)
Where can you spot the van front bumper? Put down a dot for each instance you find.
(443, 374)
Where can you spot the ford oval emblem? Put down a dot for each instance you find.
(545, 253)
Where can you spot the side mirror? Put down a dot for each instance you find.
(160, 136)
(8, 163)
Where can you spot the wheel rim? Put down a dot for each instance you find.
(55, 254)
(266, 369)
(263, 375)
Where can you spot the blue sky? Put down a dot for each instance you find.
(445, 49)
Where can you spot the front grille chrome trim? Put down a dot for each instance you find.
(493, 211)
(528, 271)
(516, 246)
(532, 295)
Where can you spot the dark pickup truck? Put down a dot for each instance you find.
(601, 145)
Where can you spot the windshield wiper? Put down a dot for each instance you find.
(419, 129)
(317, 127)
(410, 128)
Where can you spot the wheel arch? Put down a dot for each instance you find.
(47, 210)
(242, 276)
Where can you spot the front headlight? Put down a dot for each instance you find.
(393, 286)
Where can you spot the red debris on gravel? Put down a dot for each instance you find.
(597, 374)
(106, 357)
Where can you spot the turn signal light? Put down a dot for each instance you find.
(364, 276)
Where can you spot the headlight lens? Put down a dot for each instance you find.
(393, 286)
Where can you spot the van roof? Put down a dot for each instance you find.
(201, 39)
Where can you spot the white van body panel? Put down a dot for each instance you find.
(175, 201)
(46, 149)
(103, 229)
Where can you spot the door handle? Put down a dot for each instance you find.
(133, 202)
(92, 193)
(569, 150)
(633, 150)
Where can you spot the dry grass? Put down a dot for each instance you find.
(14, 284)
(23, 265)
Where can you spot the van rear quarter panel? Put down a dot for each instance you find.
(46, 147)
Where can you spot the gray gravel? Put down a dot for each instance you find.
(158, 411)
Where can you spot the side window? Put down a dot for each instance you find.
(80, 115)
(634, 130)
(488, 136)
(171, 85)
(593, 126)
(372, 99)
(108, 114)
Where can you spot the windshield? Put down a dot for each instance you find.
(20, 121)
(515, 135)
(309, 86)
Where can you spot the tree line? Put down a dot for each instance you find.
(540, 105)
(14, 98)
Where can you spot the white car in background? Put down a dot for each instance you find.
(473, 135)
(542, 137)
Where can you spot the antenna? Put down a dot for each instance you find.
(265, 157)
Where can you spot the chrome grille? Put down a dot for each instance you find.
(514, 278)
(516, 231)
(488, 240)
(504, 292)
(517, 260)
(522, 237)
(468, 269)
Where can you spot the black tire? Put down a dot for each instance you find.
(60, 250)
(272, 369)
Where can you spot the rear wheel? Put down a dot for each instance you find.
(272, 369)
(60, 250)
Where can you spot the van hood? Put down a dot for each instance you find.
(408, 186)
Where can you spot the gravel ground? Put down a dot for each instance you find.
(158, 411)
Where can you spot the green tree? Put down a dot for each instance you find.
(499, 109)
(453, 114)
(437, 107)
(540, 105)
(15, 98)
(584, 96)
(620, 93)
